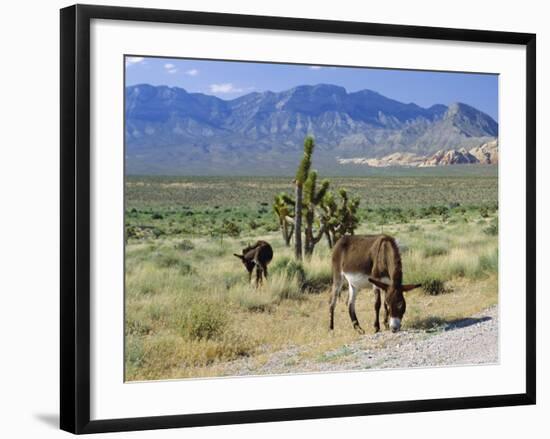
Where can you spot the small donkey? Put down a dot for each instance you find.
(259, 256)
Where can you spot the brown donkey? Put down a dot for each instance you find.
(256, 256)
(370, 260)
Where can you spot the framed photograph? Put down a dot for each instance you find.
(274, 218)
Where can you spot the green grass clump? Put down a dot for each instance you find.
(204, 321)
(171, 260)
(488, 263)
(435, 249)
(184, 245)
(491, 230)
(135, 354)
(413, 228)
(290, 268)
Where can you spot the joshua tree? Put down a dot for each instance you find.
(284, 209)
(312, 199)
(339, 218)
(301, 176)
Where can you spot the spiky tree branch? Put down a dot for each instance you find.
(313, 199)
(339, 218)
(283, 207)
(301, 176)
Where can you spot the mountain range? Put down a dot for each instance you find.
(171, 131)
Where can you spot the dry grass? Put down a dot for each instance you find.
(190, 312)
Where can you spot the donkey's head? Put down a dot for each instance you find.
(394, 300)
(247, 262)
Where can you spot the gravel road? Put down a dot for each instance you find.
(472, 340)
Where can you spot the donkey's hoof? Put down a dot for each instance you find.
(359, 329)
(376, 328)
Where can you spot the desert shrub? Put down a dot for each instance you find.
(229, 346)
(136, 327)
(135, 354)
(279, 264)
(413, 228)
(488, 263)
(256, 302)
(170, 260)
(435, 287)
(230, 228)
(231, 279)
(133, 232)
(157, 233)
(156, 312)
(184, 245)
(289, 268)
(318, 274)
(234, 345)
(282, 287)
(491, 230)
(484, 212)
(157, 216)
(271, 227)
(204, 320)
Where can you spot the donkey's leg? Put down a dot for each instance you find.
(377, 303)
(336, 287)
(351, 308)
(258, 275)
(264, 269)
(386, 313)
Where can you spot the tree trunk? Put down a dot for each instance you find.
(308, 233)
(288, 230)
(298, 223)
(329, 239)
(284, 230)
(289, 234)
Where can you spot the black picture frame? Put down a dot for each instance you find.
(75, 217)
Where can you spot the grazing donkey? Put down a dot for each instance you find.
(366, 260)
(258, 256)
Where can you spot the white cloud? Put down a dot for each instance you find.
(170, 68)
(315, 67)
(131, 60)
(192, 72)
(225, 88)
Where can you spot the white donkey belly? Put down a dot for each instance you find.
(361, 280)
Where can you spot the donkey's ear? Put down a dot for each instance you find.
(410, 287)
(238, 256)
(378, 283)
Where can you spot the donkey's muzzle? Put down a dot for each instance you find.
(395, 324)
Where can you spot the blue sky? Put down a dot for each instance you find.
(230, 79)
